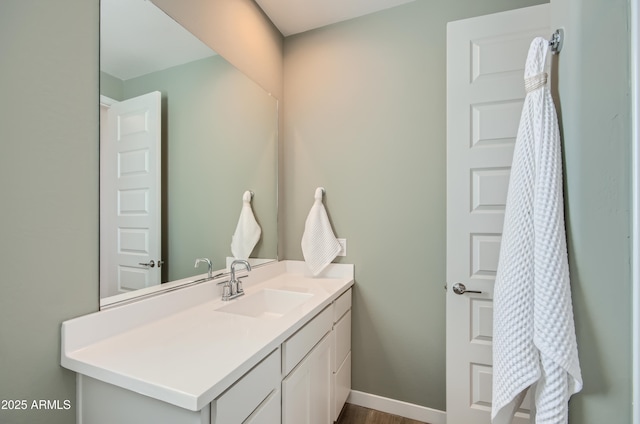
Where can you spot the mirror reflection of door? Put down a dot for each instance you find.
(219, 133)
(130, 187)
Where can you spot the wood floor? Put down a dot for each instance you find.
(352, 414)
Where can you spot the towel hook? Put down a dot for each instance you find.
(245, 194)
(556, 41)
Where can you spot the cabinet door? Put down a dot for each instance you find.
(306, 390)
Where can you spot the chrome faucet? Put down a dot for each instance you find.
(209, 264)
(233, 287)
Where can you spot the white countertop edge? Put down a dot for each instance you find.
(89, 329)
(166, 394)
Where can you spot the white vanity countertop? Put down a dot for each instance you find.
(176, 347)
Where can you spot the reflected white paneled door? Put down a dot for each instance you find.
(130, 173)
(485, 93)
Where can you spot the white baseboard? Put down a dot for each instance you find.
(397, 407)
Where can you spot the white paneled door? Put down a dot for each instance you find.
(130, 194)
(485, 93)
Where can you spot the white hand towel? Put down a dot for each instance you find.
(247, 231)
(534, 342)
(319, 244)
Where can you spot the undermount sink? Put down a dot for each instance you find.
(267, 303)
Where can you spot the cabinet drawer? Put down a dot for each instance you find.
(341, 340)
(241, 399)
(298, 345)
(341, 386)
(341, 305)
(268, 412)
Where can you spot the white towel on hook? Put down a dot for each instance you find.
(319, 244)
(534, 342)
(247, 231)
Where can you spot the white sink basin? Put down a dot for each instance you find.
(267, 303)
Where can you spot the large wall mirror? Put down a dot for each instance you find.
(184, 135)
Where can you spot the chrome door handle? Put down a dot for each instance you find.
(149, 264)
(459, 288)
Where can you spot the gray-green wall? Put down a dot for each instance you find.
(594, 103)
(49, 195)
(365, 117)
(111, 86)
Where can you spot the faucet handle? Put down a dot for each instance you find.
(239, 284)
(226, 292)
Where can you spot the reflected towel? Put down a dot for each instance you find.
(534, 341)
(247, 231)
(319, 244)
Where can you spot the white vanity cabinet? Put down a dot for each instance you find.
(104, 403)
(200, 364)
(268, 412)
(306, 365)
(306, 391)
(317, 367)
(253, 397)
(341, 354)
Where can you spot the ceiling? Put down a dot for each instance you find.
(296, 16)
(137, 38)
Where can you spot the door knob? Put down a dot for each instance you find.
(459, 288)
(150, 264)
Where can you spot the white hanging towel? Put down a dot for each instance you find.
(319, 244)
(534, 342)
(247, 231)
